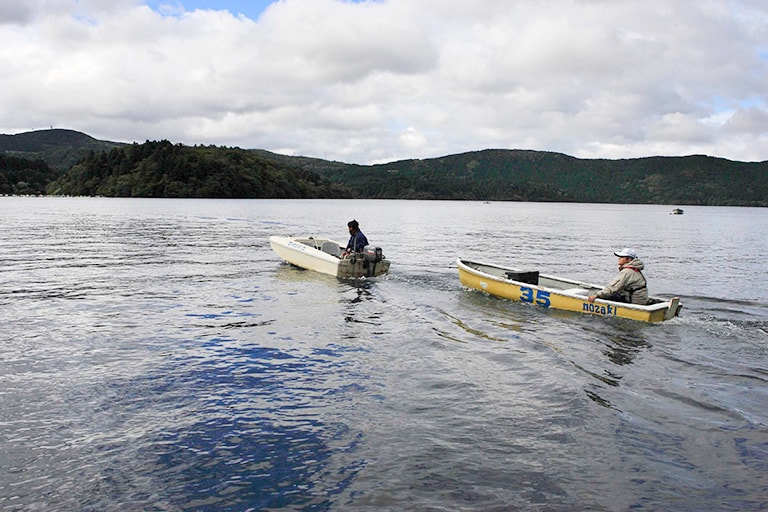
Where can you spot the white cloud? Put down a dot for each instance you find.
(376, 81)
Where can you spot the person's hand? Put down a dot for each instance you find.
(592, 298)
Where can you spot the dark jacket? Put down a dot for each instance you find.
(357, 242)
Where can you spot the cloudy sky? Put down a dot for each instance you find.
(376, 81)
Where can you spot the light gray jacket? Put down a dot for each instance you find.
(630, 283)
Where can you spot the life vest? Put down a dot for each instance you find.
(631, 291)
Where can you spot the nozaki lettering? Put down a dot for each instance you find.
(599, 309)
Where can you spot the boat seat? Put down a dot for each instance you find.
(331, 248)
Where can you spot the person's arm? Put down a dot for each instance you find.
(346, 249)
(615, 286)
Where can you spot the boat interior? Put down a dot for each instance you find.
(331, 248)
(533, 277)
(322, 244)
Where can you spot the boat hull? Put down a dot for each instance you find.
(308, 254)
(558, 293)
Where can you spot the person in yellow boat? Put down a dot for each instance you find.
(630, 284)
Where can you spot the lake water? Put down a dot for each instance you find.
(157, 355)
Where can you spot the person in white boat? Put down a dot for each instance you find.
(357, 239)
(630, 284)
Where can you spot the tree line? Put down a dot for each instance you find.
(22, 176)
(164, 169)
(524, 175)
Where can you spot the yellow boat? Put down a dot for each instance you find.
(558, 293)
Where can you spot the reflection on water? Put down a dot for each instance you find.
(260, 439)
(623, 350)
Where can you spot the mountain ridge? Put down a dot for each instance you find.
(489, 174)
(60, 148)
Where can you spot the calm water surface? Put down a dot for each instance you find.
(156, 355)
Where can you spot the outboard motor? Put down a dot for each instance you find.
(371, 256)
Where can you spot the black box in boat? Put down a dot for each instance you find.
(527, 277)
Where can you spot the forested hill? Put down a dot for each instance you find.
(544, 176)
(163, 169)
(20, 176)
(59, 148)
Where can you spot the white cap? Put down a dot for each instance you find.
(626, 253)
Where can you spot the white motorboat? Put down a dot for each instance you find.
(322, 255)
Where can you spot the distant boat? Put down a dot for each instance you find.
(322, 255)
(558, 293)
(676, 211)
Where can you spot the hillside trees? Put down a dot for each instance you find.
(20, 176)
(163, 169)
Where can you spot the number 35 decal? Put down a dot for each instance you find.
(538, 297)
